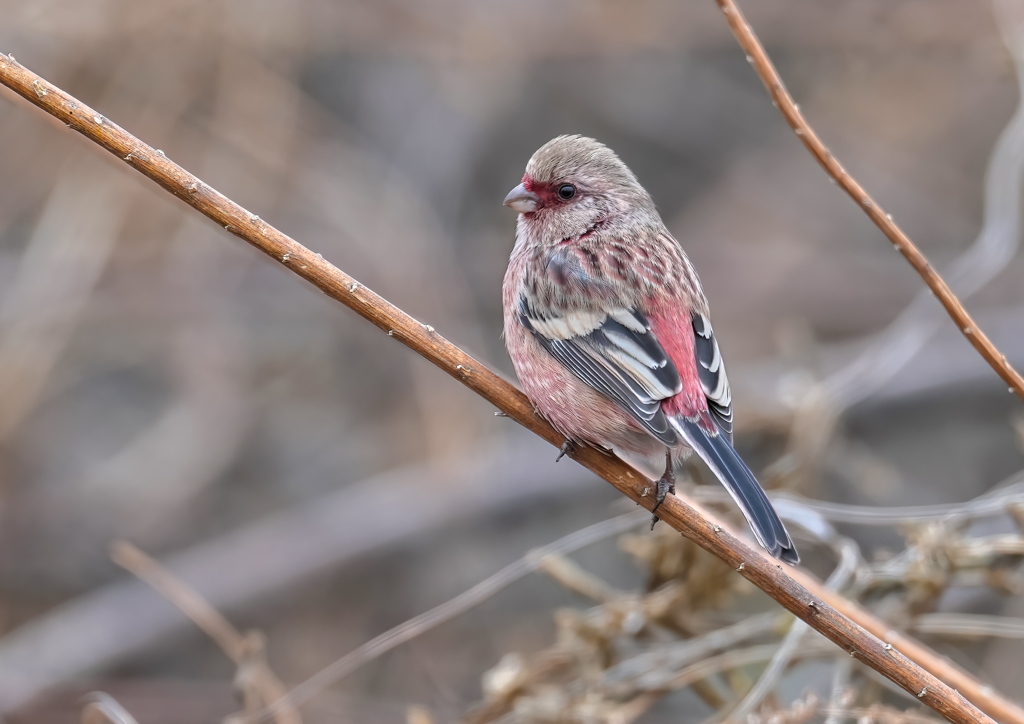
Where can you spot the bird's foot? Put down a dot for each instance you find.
(666, 484)
(566, 448)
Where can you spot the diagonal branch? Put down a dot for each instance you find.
(906, 662)
(258, 685)
(784, 102)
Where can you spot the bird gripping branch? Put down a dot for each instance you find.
(609, 329)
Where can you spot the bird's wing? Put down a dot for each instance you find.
(711, 439)
(616, 349)
(711, 372)
(620, 351)
(612, 349)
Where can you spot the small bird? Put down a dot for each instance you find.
(608, 328)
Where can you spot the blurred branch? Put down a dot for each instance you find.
(651, 674)
(65, 256)
(102, 708)
(841, 691)
(770, 391)
(256, 681)
(784, 102)
(573, 578)
(809, 708)
(95, 630)
(849, 558)
(733, 659)
(1000, 500)
(970, 625)
(843, 622)
(408, 630)
(996, 244)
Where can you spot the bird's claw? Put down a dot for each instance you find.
(565, 449)
(666, 484)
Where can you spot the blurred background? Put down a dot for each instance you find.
(162, 383)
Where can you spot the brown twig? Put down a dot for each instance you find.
(258, 684)
(908, 664)
(784, 102)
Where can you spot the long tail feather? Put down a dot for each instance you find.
(729, 468)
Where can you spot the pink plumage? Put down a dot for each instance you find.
(609, 331)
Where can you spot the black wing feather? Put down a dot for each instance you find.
(593, 359)
(711, 372)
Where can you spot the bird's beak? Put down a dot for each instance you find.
(521, 200)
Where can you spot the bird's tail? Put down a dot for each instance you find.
(728, 467)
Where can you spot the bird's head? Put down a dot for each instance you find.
(573, 183)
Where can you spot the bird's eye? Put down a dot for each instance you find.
(566, 191)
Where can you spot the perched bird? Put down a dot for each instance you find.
(608, 327)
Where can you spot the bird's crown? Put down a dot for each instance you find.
(577, 156)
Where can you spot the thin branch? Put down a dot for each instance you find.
(784, 102)
(849, 558)
(878, 713)
(970, 625)
(247, 651)
(654, 668)
(996, 244)
(112, 623)
(101, 708)
(841, 692)
(1000, 500)
(572, 577)
(465, 601)
(705, 668)
(906, 662)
